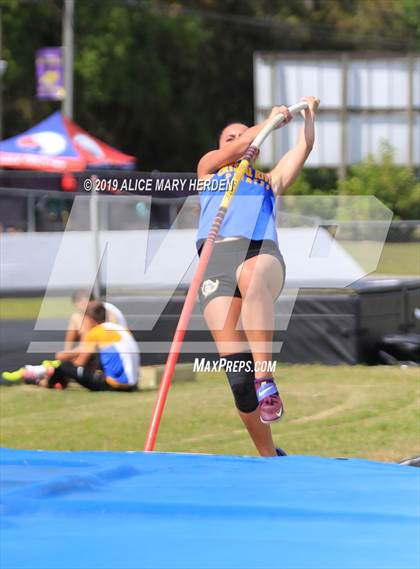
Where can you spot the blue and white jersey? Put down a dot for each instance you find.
(118, 352)
(251, 213)
(116, 313)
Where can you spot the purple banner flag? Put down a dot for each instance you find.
(50, 74)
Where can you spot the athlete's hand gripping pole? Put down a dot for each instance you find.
(187, 309)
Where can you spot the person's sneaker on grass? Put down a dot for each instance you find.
(51, 363)
(26, 374)
(281, 452)
(50, 366)
(269, 402)
(10, 378)
(29, 374)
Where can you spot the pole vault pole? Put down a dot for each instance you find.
(187, 309)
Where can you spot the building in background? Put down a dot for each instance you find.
(364, 100)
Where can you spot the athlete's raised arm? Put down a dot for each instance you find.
(233, 143)
(289, 166)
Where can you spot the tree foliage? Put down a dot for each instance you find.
(160, 79)
(395, 186)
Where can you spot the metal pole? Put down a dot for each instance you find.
(410, 110)
(30, 214)
(68, 45)
(94, 230)
(342, 169)
(1, 79)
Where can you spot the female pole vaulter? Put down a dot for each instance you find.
(246, 272)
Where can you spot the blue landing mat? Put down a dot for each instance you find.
(68, 510)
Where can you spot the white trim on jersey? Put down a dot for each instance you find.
(117, 313)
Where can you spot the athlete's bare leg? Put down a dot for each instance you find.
(260, 280)
(222, 315)
(260, 433)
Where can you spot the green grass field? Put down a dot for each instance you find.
(370, 412)
(22, 308)
(401, 259)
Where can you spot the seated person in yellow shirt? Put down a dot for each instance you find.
(79, 323)
(118, 353)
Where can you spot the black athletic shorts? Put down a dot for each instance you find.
(220, 276)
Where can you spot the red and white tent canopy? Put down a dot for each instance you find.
(57, 144)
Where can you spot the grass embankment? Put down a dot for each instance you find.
(370, 412)
(400, 259)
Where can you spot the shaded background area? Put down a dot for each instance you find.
(139, 61)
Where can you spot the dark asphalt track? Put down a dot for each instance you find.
(15, 337)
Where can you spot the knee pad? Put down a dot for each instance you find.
(239, 369)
